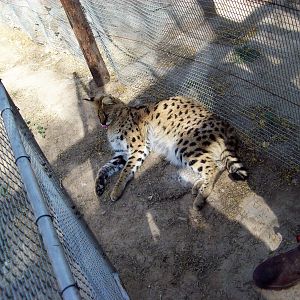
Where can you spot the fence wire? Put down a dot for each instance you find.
(25, 270)
(240, 58)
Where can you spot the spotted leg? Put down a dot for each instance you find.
(134, 161)
(210, 175)
(207, 168)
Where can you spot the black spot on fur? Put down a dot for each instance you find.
(164, 127)
(169, 117)
(157, 115)
(165, 105)
(133, 139)
(206, 143)
(192, 144)
(185, 142)
(176, 150)
(189, 154)
(204, 125)
(200, 169)
(212, 137)
(183, 149)
(121, 137)
(192, 162)
(200, 150)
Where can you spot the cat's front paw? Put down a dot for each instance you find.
(115, 194)
(99, 186)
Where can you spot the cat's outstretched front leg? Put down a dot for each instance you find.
(115, 165)
(134, 161)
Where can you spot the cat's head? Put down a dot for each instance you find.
(108, 108)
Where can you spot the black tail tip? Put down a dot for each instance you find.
(239, 175)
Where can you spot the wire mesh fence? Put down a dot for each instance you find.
(25, 270)
(240, 58)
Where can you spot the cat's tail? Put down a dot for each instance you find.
(229, 158)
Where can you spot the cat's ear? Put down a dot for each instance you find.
(98, 97)
(108, 100)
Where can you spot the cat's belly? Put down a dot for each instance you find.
(164, 146)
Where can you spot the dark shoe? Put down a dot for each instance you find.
(279, 272)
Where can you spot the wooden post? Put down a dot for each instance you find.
(86, 41)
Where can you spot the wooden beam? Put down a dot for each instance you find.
(86, 41)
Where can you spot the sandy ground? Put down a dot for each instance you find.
(160, 246)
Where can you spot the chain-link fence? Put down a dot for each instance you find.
(25, 269)
(240, 58)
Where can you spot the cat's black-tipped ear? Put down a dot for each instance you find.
(92, 99)
(108, 100)
(103, 98)
(98, 97)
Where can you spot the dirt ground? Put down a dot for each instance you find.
(161, 248)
